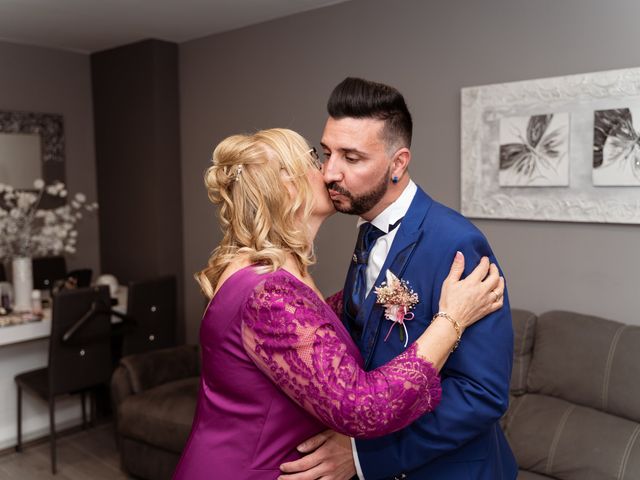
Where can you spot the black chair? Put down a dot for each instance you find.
(82, 276)
(47, 270)
(151, 304)
(79, 355)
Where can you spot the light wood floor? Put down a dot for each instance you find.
(88, 454)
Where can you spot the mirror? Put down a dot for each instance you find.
(20, 159)
(31, 146)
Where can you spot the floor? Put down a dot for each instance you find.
(84, 455)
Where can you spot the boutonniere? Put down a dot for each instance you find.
(398, 299)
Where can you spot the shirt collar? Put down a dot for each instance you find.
(395, 211)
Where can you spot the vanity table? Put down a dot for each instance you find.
(26, 347)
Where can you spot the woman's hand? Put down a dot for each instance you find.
(478, 295)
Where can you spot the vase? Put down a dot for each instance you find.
(22, 283)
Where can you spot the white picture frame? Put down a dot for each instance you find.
(579, 97)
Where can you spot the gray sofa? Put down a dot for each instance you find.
(574, 412)
(575, 406)
(154, 398)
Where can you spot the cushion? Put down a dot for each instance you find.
(525, 475)
(161, 416)
(553, 437)
(524, 327)
(587, 360)
(149, 369)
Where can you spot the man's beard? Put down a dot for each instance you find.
(362, 203)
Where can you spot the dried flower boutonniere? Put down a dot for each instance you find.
(398, 299)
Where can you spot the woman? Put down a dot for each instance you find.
(277, 364)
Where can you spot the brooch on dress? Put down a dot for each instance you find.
(398, 299)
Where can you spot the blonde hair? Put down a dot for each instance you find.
(250, 181)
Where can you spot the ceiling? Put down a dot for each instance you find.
(92, 25)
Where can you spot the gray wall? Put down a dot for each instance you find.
(280, 74)
(51, 81)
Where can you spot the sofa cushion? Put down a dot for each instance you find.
(551, 436)
(587, 360)
(524, 328)
(161, 416)
(150, 369)
(525, 475)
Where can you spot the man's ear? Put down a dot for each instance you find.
(400, 162)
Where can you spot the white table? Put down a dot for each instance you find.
(26, 347)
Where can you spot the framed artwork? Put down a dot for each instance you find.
(559, 149)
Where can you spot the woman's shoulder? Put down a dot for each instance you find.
(259, 278)
(280, 288)
(278, 282)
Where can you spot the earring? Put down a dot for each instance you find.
(394, 179)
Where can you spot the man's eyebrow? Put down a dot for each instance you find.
(345, 150)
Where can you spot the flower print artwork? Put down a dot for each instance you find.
(616, 148)
(534, 151)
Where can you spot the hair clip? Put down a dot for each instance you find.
(238, 172)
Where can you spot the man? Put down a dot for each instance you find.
(366, 143)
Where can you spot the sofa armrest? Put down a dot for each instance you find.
(143, 371)
(120, 386)
(524, 332)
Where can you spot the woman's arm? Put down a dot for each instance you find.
(294, 340)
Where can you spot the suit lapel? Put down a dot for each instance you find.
(404, 243)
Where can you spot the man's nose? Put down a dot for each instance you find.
(330, 171)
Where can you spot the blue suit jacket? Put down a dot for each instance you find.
(461, 439)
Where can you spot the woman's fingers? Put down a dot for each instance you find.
(457, 268)
(480, 272)
(493, 278)
(497, 296)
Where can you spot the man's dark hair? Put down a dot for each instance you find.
(359, 98)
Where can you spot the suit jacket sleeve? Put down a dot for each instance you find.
(475, 385)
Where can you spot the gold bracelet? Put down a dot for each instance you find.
(455, 325)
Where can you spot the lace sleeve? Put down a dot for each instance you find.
(335, 303)
(291, 336)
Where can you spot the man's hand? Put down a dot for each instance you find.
(328, 457)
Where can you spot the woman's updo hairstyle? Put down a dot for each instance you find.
(259, 182)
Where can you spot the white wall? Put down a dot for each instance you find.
(280, 74)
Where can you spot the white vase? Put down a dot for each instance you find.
(22, 283)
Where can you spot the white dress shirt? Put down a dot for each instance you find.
(378, 255)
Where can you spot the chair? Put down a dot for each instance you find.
(151, 304)
(3, 274)
(47, 270)
(79, 355)
(82, 276)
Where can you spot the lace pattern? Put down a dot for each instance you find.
(336, 303)
(296, 340)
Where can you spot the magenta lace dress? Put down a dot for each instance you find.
(278, 367)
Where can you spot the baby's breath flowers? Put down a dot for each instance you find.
(27, 230)
(398, 299)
